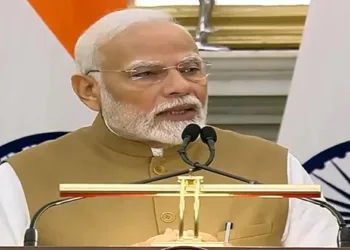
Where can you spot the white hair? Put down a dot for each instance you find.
(107, 28)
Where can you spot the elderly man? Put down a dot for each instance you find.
(142, 73)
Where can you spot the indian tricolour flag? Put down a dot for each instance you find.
(37, 39)
(316, 122)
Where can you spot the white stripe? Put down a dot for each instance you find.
(35, 77)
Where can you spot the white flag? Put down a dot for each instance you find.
(37, 102)
(316, 122)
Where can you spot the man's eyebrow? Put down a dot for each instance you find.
(192, 57)
(142, 63)
(145, 63)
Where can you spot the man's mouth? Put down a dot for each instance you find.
(179, 110)
(179, 113)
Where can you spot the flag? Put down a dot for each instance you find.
(316, 122)
(37, 41)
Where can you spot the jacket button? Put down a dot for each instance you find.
(167, 217)
(159, 170)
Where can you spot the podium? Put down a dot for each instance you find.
(189, 187)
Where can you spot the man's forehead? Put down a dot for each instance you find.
(147, 62)
(153, 44)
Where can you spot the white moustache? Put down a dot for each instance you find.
(187, 101)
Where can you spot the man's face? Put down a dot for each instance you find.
(148, 103)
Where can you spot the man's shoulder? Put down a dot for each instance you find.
(228, 137)
(65, 142)
(251, 156)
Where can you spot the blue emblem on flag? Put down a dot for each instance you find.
(26, 142)
(331, 169)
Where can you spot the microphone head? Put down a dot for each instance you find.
(192, 131)
(208, 133)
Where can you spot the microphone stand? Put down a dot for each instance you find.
(343, 237)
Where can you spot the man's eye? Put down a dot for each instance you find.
(189, 70)
(143, 74)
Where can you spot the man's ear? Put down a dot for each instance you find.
(86, 88)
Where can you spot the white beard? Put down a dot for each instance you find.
(127, 121)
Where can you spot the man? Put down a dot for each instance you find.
(143, 75)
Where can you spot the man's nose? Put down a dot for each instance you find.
(175, 84)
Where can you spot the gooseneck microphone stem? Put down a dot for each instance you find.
(343, 237)
(48, 206)
(197, 166)
(223, 173)
(211, 156)
(31, 234)
(336, 214)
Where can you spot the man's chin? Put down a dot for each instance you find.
(167, 132)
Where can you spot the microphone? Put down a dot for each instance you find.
(208, 136)
(190, 134)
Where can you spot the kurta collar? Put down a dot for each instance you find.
(101, 132)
